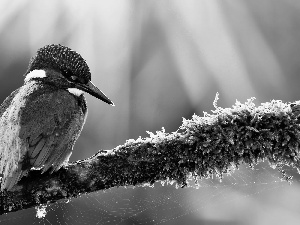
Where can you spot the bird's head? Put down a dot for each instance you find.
(62, 67)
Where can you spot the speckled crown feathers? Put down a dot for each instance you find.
(61, 58)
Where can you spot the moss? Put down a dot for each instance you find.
(203, 147)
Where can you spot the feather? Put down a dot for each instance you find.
(34, 150)
(46, 124)
(34, 140)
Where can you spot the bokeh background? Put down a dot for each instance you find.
(160, 61)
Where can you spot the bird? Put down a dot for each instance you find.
(41, 120)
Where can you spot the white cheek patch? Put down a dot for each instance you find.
(35, 74)
(75, 91)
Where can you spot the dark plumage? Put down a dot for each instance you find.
(41, 121)
(62, 59)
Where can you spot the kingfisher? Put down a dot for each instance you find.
(41, 121)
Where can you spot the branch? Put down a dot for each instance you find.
(215, 144)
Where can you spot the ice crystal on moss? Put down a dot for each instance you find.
(218, 143)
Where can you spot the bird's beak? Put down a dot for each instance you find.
(94, 91)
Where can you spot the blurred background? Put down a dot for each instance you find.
(159, 61)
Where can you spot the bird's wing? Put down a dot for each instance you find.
(50, 123)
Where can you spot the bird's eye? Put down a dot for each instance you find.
(74, 78)
(77, 79)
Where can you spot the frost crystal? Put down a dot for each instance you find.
(41, 211)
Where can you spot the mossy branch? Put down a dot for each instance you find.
(202, 147)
